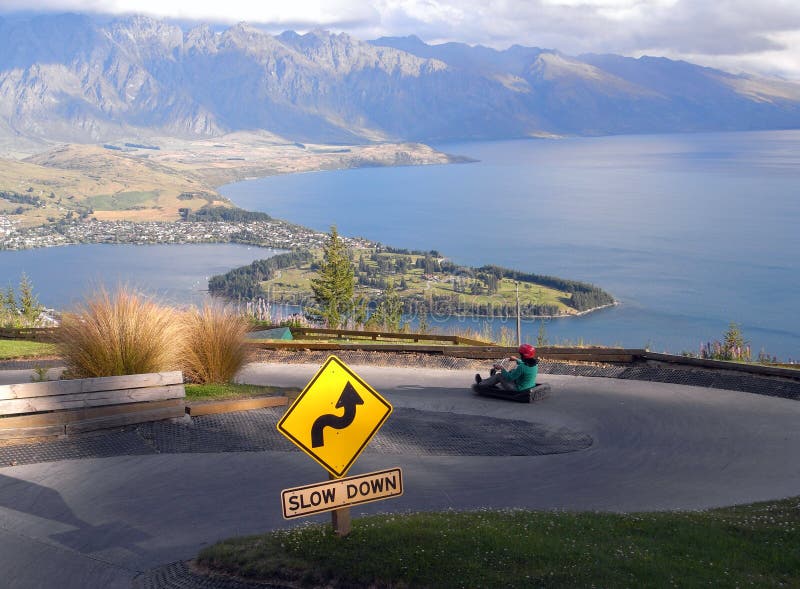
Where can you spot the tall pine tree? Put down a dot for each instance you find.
(389, 312)
(333, 287)
(28, 303)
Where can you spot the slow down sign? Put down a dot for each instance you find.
(333, 420)
(321, 497)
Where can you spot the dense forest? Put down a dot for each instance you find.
(220, 213)
(244, 283)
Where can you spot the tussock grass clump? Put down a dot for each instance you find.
(214, 344)
(119, 333)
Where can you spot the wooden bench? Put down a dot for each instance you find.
(64, 407)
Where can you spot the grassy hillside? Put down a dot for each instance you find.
(91, 181)
(138, 182)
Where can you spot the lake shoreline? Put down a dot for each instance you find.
(629, 212)
(632, 214)
(529, 317)
(275, 234)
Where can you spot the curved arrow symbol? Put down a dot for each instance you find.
(348, 399)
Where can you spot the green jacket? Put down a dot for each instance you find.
(524, 376)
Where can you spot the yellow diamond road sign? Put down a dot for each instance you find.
(335, 417)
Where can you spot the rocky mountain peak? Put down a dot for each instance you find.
(72, 78)
(200, 38)
(247, 39)
(343, 54)
(146, 38)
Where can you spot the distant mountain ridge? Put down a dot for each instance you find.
(72, 78)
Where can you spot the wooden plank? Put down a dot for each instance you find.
(32, 432)
(93, 399)
(475, 354)
(88, 425)
(38, 420)
(465, 341)
(212, 407)
(724, 365)
(623, 358)
(89, 413)
(366, 346)
(91, 419)
(301, 331)
(96, 399)
(29, 333)
(287, 345)
(89, 385)
(500, 352)
(359, 346)
(71, 415)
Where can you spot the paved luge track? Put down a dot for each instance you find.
(98, 522)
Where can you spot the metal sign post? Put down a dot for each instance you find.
(519, 325)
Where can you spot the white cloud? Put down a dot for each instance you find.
(762, 36)
(318, 12)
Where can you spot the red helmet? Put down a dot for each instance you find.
(527, 351)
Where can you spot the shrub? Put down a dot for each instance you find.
(119, 333)
(733, 347)
(214, 344)
(21, 310)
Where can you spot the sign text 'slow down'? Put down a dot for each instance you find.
(321, 497)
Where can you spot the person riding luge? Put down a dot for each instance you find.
(521, 378)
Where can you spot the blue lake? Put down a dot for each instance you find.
(175, 274)
(688, 232)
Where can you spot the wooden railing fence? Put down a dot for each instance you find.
(327, 334)
(42, 334)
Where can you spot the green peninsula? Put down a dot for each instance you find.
(425, 282)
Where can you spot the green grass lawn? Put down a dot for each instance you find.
(121, 200)
(11, 348)
(755, 546)
(228, 391)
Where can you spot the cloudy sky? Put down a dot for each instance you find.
(760, 36)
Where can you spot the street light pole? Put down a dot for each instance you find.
(519, 330)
